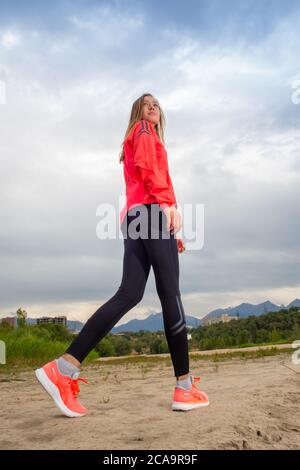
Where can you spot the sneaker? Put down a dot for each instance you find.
(184, 400)
(63, 389)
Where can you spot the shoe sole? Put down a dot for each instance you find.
(176, 406)
(53, 391)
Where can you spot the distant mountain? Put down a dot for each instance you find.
(295, 303)
(152, 323)
(246, 309)
(74, 325)
(155, 321)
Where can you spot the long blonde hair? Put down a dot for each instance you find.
(136, 115)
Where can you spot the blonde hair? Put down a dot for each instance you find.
(136, 115)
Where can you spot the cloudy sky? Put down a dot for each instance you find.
(227, 75)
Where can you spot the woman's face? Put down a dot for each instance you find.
(151, 110)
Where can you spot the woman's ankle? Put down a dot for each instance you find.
(183, 377)
(68, 357)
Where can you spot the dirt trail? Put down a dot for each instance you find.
(255, 404)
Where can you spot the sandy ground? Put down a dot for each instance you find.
(255, 404)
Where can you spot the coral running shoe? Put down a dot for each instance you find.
(185, 400)
(63, 389)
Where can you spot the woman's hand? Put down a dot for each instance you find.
(174, 220)
(180, 245)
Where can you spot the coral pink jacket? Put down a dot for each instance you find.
(146, 169)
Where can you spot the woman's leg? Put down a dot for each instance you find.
(136, 267)
(163, 255)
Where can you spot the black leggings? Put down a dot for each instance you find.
(158, 248)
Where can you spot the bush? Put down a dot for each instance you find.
(54, 332)
(122, 345)
(158, 346)
(105, 348)
(36, 344)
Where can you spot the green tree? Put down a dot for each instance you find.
(242, 337)
(275, 335)
(295, 332)
(105, 348)
(158, 346)
(55, 332)
(122, 346)
(262, 336)
(21, 317)
(139, 346)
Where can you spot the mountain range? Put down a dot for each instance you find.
(155, 322)
(245, 309)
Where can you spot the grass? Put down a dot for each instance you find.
(24, 349)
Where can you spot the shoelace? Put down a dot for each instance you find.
(197, 393)
(75, 387)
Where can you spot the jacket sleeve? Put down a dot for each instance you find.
(157, 180)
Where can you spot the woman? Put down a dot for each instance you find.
(150, 207)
